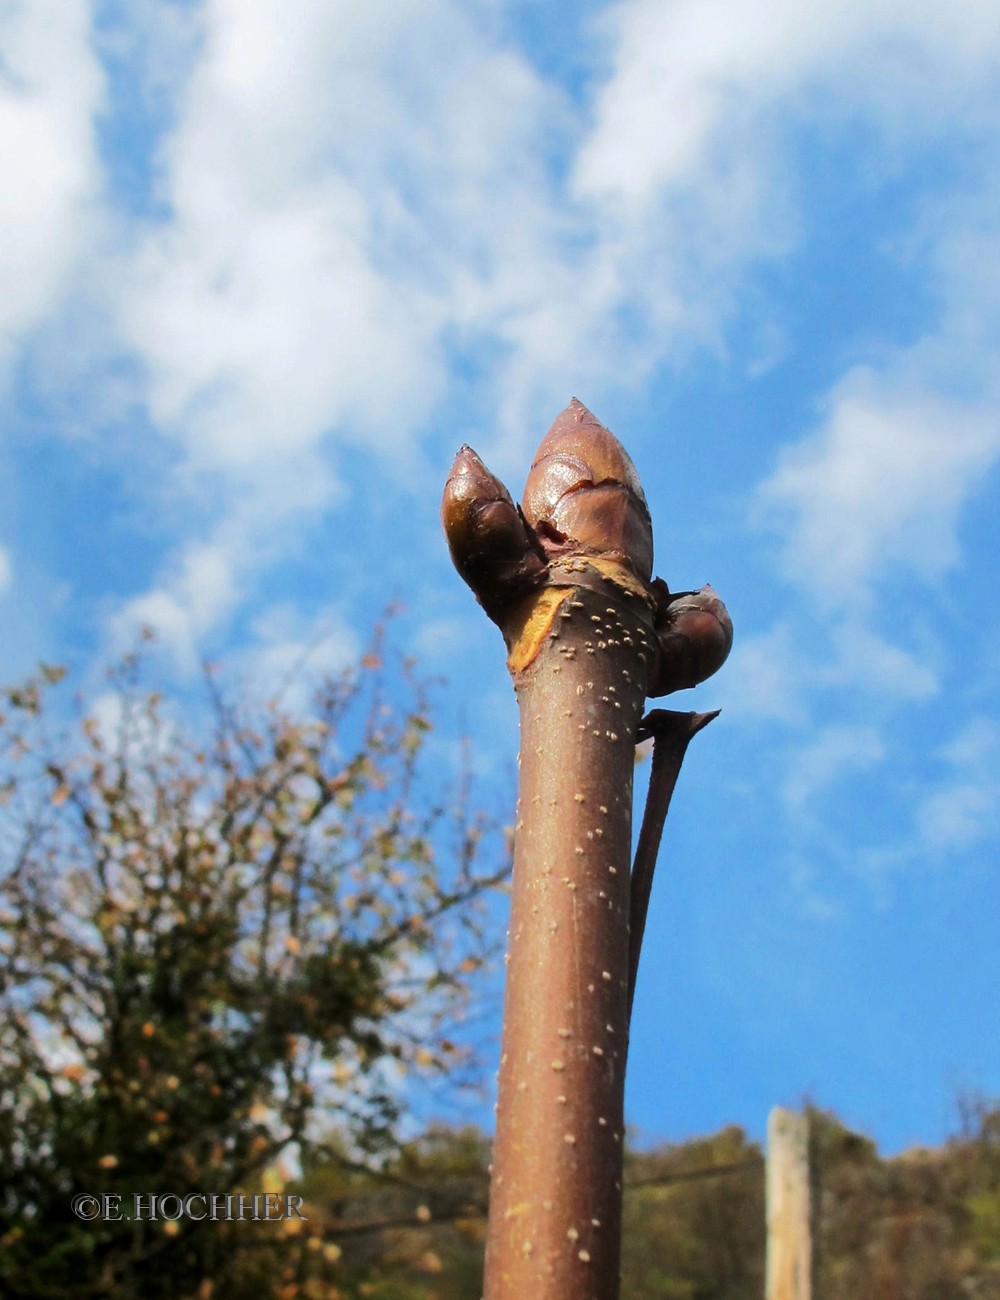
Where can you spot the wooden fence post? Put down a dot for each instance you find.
(789, 1244)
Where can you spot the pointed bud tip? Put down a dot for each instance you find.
(466, 460)
(579, 412)
(571, 420)
(468, 484)
(490, 546)
(583, 488)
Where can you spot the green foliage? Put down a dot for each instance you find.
(218, 940)
(901, 1229)
(693, 1214)
(417, 1231)
(210, 936)
(690, 1234)
(981, 1201)
(904, 1228)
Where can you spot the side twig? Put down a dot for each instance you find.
(672, 732)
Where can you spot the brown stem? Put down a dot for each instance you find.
(567, 579)
(672, 732)
(555, 1203)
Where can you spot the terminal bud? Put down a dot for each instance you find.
(583, 494)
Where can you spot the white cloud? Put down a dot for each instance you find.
(950, 812)
(6, 570)
(965, 810)
(352, 201)
(689, 76)
(264, 509)
(693, 120)
(838, 751)
(437, 639)
(765, 678)
(201, 591)
(51, 86)
(288, 654)
(689, 166)
(974, 746)
(340, 200)
(347, 206)
(776, 675)
(864, 660)
(688, 170)
(333, 186)
(960, 816)
(881, 484)
(155, 42)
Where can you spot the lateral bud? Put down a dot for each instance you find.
(492, 548)
(694, 636)
(583, 495)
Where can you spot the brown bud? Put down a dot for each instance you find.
(694, 635)
(583, 491)
(490, 545)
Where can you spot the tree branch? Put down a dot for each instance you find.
(672, 733)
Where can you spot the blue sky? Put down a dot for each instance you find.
(266, 266)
